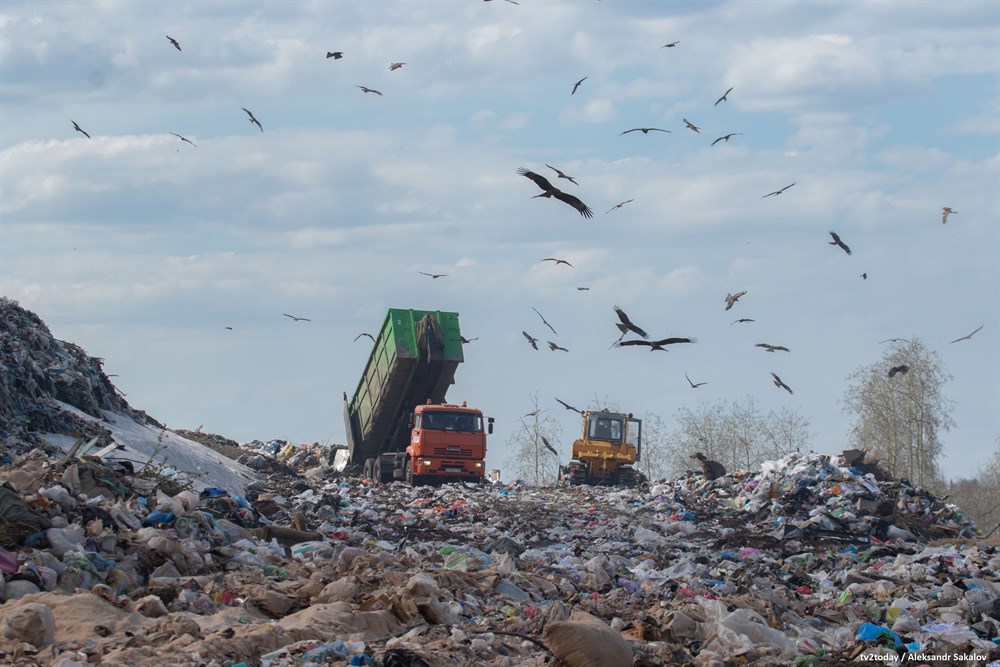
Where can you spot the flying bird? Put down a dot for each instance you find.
(433, 275)
(777, 192)
(772, 348)
(864, 276)
(177, 45)
(554, 347)
(513, 2)
(840, 244)
(626, 324)
(363, 334)
(733, 298)
(253, 119)
(781, 385)
(568, 406)
(945, 212)
(369, 90)
(467, 340)
(670, 45)
(902, 369)
(741, 320)
(970, 335)
(655, 344)
(619, 205)
(562, 175)
(543, 320)
(557, 261)
(549, 446)
(533, 413)
(229, 328)
(726, 137)
(691, 126)
(297, 319)
(577, 85)
(694, 385)
(531, 339)
(724, 98)
(644, 130)
(393, 67)
(582, 289)
(336, 55)
(79, 129)
(184, 139)
(550, 190)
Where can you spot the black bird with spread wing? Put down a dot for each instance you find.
(336, 55)
(184, 139)
(694, 385)
(691, 126)
(777, 192)
(571, 179)
(625, 325)
(433, 275)
(549, 446)
(554, 347)
(724, 98)
(297, 319)
(644, 130)
(656, 344)
(557, 261)
(550, 190)
(177, 45)
(742, 320)
(79, 129)
(467, 340)
(531, 339)
(726, 137)
(772, 348)
(568, 406)
(253, 119)
(970, 335)
(544, 321)
(619, 205)
(369, 90)
(779, 384)
(837, 242)
(577, 85)
(363, 334)
(901, 369)
(733, 298)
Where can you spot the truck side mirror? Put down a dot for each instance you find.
(489, 424)
(409, 421)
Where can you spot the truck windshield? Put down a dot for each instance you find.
(604, 428)
(451, 421)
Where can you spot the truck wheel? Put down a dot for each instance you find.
(377, 471)
(408, 473)
(369, 470)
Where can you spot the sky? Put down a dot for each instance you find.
(145, 249)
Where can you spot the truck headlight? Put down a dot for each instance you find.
(479, 464)
(425, 462)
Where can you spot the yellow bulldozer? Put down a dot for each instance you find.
(610, 444)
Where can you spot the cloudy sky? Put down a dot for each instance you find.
(143, 248)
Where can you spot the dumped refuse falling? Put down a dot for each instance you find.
(809, 560)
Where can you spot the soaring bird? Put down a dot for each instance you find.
(253, 119)
(577, 85)
(177, 45)
(549, 446)
(777, 192)
(393, 67)
(901, 369)
(711, 469)
(336, 55)
(840, 244)
(571, 179)
(79, 129)
(655, 344)
(568, 406)
(229, 328)
(582, 289)
(363, 334)
(970, 335)
(619, 205)
(772, 348)
(724, 98)
(691, 126)
(781, 385)
(465, 340)
(184, 139)
(694, 385)
(557, 261)
(544, 322)
(533, 413)
(670, 45)
(513, 2)
(733, 298)
(433, 275)
(626, 324)
(369, 90)
(945, 212)
(644, 130)
(550, 190)
(726, 137)
(554, 347)
(742, 320)
(531, 339)
(864, 276)
(297, 319)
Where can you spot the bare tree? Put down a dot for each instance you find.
(654, 460)
(530, 459)
(979, 498)
(737, 435)
(899, 418)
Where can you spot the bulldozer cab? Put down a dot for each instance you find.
(604, 427)
(610, 444)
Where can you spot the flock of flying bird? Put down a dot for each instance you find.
(624, 325)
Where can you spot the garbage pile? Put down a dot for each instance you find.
(804, 562)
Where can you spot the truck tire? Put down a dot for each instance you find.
(369, 473)
(408, 473)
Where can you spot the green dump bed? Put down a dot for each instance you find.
(414, 359)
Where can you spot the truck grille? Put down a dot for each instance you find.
(453, 452)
